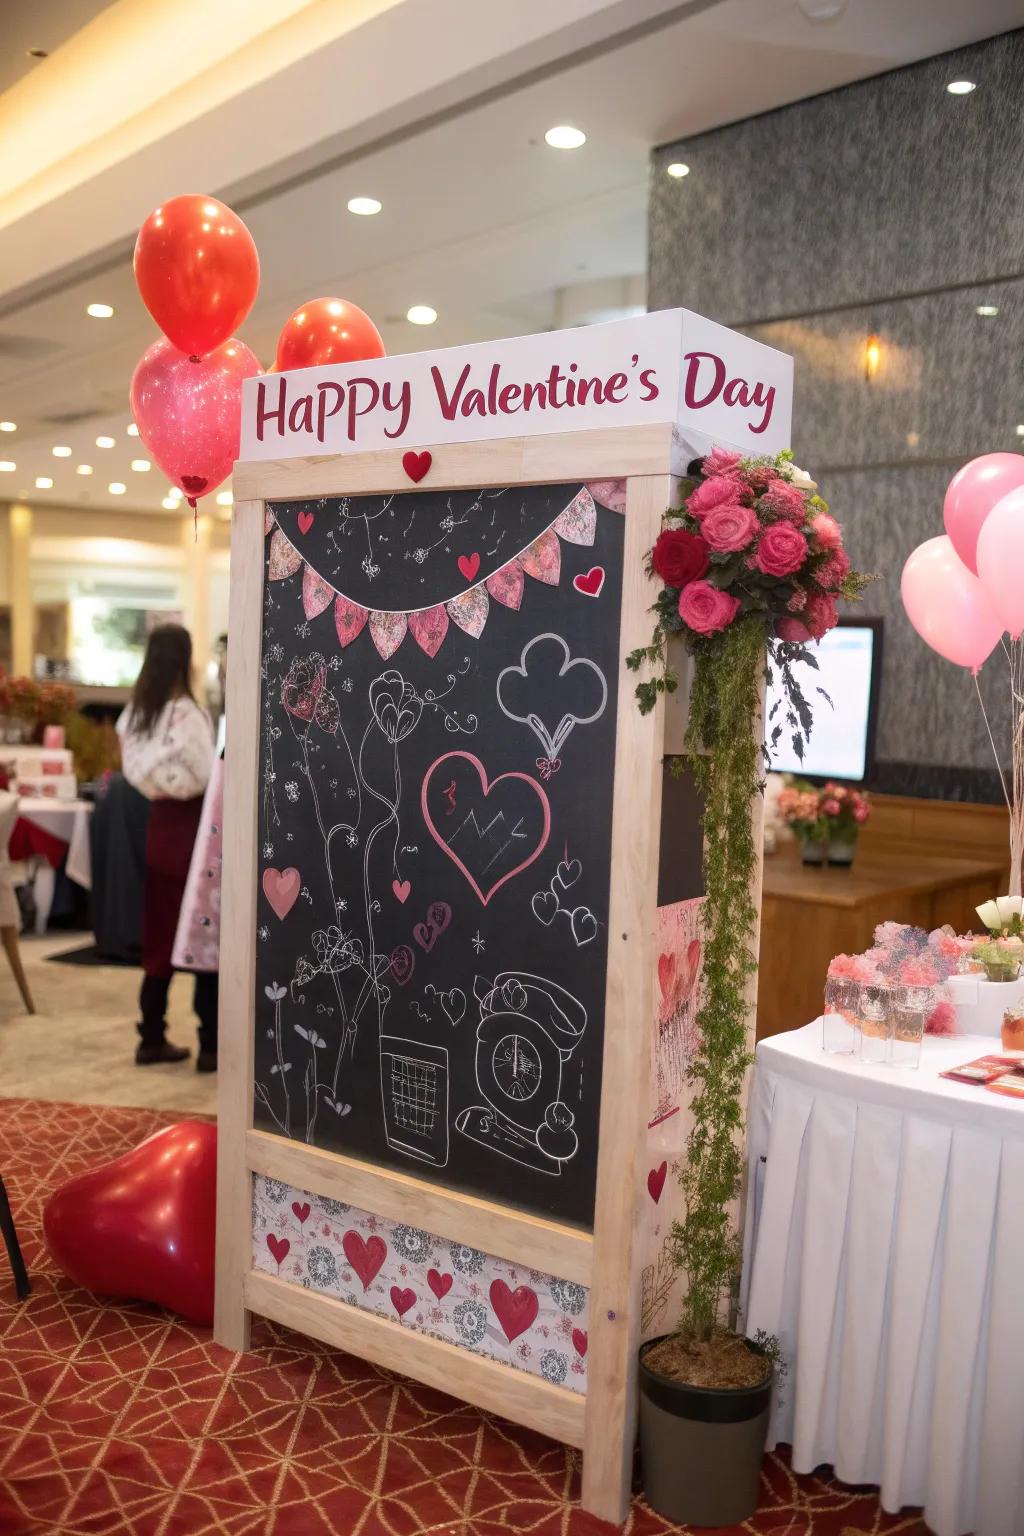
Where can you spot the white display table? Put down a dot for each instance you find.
(884, 1245)
(67, 820)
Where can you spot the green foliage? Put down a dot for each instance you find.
(664, 680)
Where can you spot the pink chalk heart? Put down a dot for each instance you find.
(279, 1247)
(366, 1255)
(459, 781)
(401, 889)
(590, 582)
(579, 1341)
(469, 565)
(439, 1284)
(281, 888)
(402, 1300)
(301, 1212)
(656, 1182)
(305, 521)
(515, 1310)
(403, 963)
(417, 464)
(439, 915)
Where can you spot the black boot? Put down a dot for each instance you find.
(205, 1004)
(154, 1046)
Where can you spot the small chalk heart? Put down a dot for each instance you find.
(401, 889)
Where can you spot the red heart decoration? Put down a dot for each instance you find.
(305, 521)
(656, 1182)
(590, 583)
(401, 888)
(667, 975)
(301, 1211)
(469, 565)
(365, 1256)
(515, 1310)
(417, 464)
(143, 1226)
(402, 1300)
(279, 1248)
(281, 888)
(439, 1284)
(579, 1341)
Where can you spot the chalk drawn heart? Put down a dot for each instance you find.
(656, 1182)
(365, 1256)
(417, 464)
(339, 1108)
(439, 915)
(591, 582)
(305, 521)
(401, 889)
(402, 963)
(515, 1310)
(279, 1247)
(568, 872)
(402, 1300)
(469, 565)
(583, 924)
(545, 907)
(580, 1341)
(301, 1211)
(470, 837)
(454, 1004)
(439, 1284)
(281, 888)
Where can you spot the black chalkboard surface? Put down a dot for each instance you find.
(437, 750)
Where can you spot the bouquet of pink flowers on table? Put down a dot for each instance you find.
(905, 956)
(834, 813)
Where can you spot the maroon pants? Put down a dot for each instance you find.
(172, 831)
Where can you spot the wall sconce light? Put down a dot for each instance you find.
(872, 356)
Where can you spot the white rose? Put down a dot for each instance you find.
(800, 478)
(1008, 907)
(989, 914)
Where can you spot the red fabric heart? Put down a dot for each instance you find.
(579, 1341)
(402, 1300)
(305, 521)
(279, 1247)
(515, 1310)
(439, 1284)
(281, 888)
(401, 889)
(591, 582)
(469, 565)
(417, 464)
(301, 1211)
(656, 1182)
(365, 1256)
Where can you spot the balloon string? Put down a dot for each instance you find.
(995, 754)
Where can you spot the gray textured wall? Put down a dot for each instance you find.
(893, 208)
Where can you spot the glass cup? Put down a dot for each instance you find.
(839, 1020)
(875, 1020)
(910, 1009)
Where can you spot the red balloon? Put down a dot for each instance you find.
(327, 331)
(189, 411)
(145, 1225)
(197, 270)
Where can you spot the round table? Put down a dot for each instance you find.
(46, 832)
(884, 1245)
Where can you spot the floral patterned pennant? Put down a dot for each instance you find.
(470, 610)
(543, 558)
(609, 493)
(429, 628)
(506, 586)
(387, 631)
(283, 560)
(578, 523)
(268, 519)
(349, 619)
(316, 593)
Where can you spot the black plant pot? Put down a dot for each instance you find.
(701, 1448)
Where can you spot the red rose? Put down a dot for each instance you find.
(782, 550)
(729, 527)
(707, 609)
(679, 557)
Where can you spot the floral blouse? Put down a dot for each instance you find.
(174, 760)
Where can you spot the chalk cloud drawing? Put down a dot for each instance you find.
(552, 692)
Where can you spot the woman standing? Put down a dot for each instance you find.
(167, 755)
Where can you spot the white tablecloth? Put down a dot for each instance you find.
(68, 820)
(884, 1245)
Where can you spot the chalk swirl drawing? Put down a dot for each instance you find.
(573, 689)
(490, 829)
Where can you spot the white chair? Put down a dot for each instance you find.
(9, 914)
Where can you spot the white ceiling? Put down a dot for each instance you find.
(38, 24)
(499, 233)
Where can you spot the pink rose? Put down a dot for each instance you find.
(717, 492)
(795, 631)
(721, 462)
(821, 614)
(826, 532)
(729, 527)
(782, 550)
(707, 609)
(831, 807)
(785, 501)
(861, 813)
(833, 571)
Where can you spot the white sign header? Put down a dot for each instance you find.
(671, 366)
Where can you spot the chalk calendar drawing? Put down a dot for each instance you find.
(412, 1007)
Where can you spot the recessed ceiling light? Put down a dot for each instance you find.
(84, 469)
(987, 310)
(44, 483)
(100, 311)
(170, 503)
(961, 87)
(677, 170)
(104, 442)
(364, 205)
(62, 451)
(116, 488)
(8, 466)
(565, 137)
(175, 493)
(37, 53)
(225, 499)
(421, 314)
(141, 466)
(132, 429)
(8, 426)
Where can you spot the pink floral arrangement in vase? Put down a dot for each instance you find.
(828, 819)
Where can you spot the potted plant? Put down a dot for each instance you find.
(752, 560)
(800, 808)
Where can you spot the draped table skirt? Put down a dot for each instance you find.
(884, 1245)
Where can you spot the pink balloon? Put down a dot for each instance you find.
(947, 604)
(1001, 561)
(189, 413)
(973, 492)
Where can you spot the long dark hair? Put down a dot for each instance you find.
(164, 675)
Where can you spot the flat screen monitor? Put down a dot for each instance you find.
(842, 740)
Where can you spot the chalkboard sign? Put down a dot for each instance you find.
(437, 750)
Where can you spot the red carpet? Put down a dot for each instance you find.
(119, 1421)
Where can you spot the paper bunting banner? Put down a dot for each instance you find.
(268, 519)
(316, 593)
(543, 558)
(429, 628)
(469, 611)
(608, 493)
(283, 560)
(349, 619)
(387, 631)
(578, 523)
(506, 586)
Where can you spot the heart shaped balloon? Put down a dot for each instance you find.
(144, 1226)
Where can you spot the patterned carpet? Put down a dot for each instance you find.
(119, 1421)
